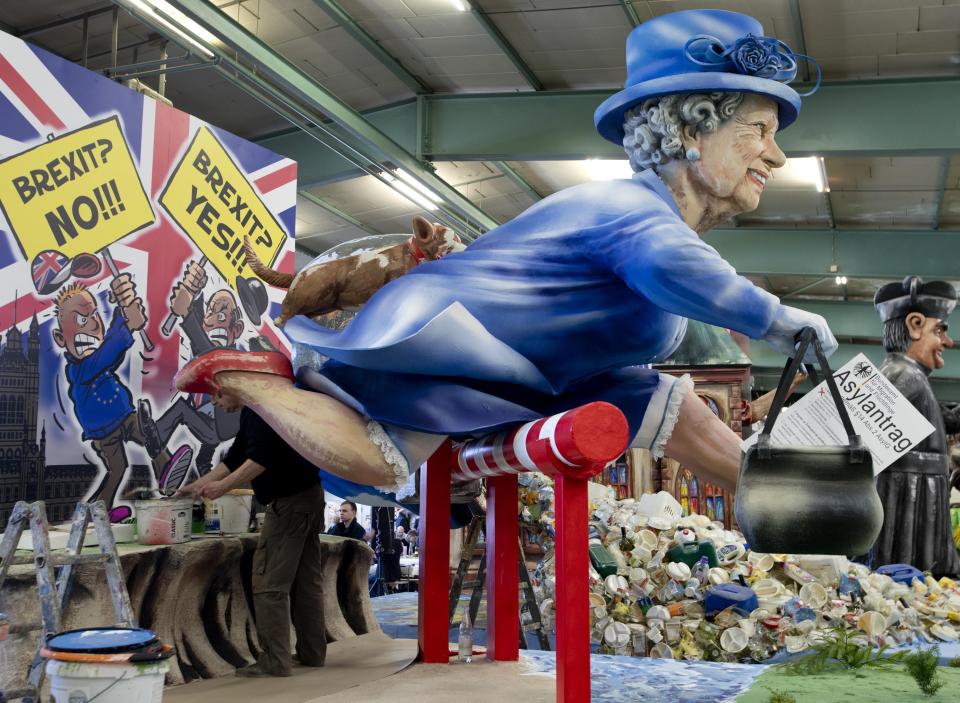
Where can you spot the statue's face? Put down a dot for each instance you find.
(930, 338)
(737, 160)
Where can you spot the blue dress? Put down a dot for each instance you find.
(558, 307)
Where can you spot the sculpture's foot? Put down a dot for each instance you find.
(201, 374)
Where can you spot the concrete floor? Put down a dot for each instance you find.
(478, 682)
(373, 668)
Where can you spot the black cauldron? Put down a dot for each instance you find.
(808, 500)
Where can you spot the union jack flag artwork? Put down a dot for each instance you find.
(50, 268)
(42, 98)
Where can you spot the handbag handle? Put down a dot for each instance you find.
(808, 336)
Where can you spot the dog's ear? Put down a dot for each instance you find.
(422, 229)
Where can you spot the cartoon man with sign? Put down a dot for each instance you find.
(102, 404)
(216, 325)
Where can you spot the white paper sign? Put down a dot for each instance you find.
(887, 422)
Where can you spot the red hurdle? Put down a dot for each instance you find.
(570, 447)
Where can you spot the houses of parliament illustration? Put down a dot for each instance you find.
(24, 473)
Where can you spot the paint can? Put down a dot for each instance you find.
(234, 511)
(163, 521)
(108, 665)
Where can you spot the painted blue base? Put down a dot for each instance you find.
(613, 679)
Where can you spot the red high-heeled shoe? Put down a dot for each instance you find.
(199, 376)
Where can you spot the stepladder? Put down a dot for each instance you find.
(460, 582)
(54, 572)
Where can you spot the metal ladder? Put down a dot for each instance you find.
(459, 583)
(55, 575)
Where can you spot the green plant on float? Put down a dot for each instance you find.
(922, 666)
(781, 697)
(839, 648)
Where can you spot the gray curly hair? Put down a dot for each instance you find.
(652, 130)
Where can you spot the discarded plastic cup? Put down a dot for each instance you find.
(661, 651)
(648, 539)
(678, 571)
(872, 622)
(733, 640)
(763, 562)
(814, 595)
(616, 634)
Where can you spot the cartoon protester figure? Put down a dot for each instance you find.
(103, 405)
(218, 325)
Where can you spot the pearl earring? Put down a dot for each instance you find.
(693, 154)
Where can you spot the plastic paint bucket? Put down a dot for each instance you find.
(108, 665)
(164, 521)
(234, 511)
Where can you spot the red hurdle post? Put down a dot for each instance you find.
(570, 447)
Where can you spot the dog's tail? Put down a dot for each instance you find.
(270, 276)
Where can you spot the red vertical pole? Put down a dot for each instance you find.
(572, 603)
(434, 587)
(503, 580)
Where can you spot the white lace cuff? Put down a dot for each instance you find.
(392, 455)
(662, 413)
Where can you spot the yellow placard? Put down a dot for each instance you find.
(77, 193)
(214, 203)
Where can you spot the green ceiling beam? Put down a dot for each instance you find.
(350, 26)
(337, 212)
(768, 365)
(876, 117)
(521, 182)
(631, 12)
(846, 319)
(505, 46)
(271, 73)
(889, 254)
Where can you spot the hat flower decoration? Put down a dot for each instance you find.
(696, 51)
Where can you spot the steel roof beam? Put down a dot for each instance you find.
(505, 46)
(351, 27)
(840, 120)
(867, 253)
(245, 60)
(630, 11)
(337, 212)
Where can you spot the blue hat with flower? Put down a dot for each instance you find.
(702, 51)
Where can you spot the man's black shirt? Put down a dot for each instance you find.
(286, 473)
(356, 530)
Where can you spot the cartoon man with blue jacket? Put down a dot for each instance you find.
(103, 405)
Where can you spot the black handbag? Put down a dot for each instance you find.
(808, 500)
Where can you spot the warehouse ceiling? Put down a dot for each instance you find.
(497, 96)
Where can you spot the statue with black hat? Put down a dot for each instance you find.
(915, 490)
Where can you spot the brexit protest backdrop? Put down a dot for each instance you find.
(122, 223)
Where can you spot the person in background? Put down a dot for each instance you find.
(348, 525)
(288, 557)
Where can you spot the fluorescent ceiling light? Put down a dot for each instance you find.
(608, 169)
(407, 191)
(188, 30)
(809, 169)
(459, 4)
(417, 185)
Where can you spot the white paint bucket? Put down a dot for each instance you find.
(234, 511)
(165, 521)
(75, 682)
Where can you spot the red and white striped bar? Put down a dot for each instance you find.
(571, 447)
(572, 441)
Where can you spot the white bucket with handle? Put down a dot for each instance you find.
(234, 510)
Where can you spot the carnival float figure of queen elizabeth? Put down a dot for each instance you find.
(568, 302)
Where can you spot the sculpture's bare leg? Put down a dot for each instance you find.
(704, 444)
(322, 429)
